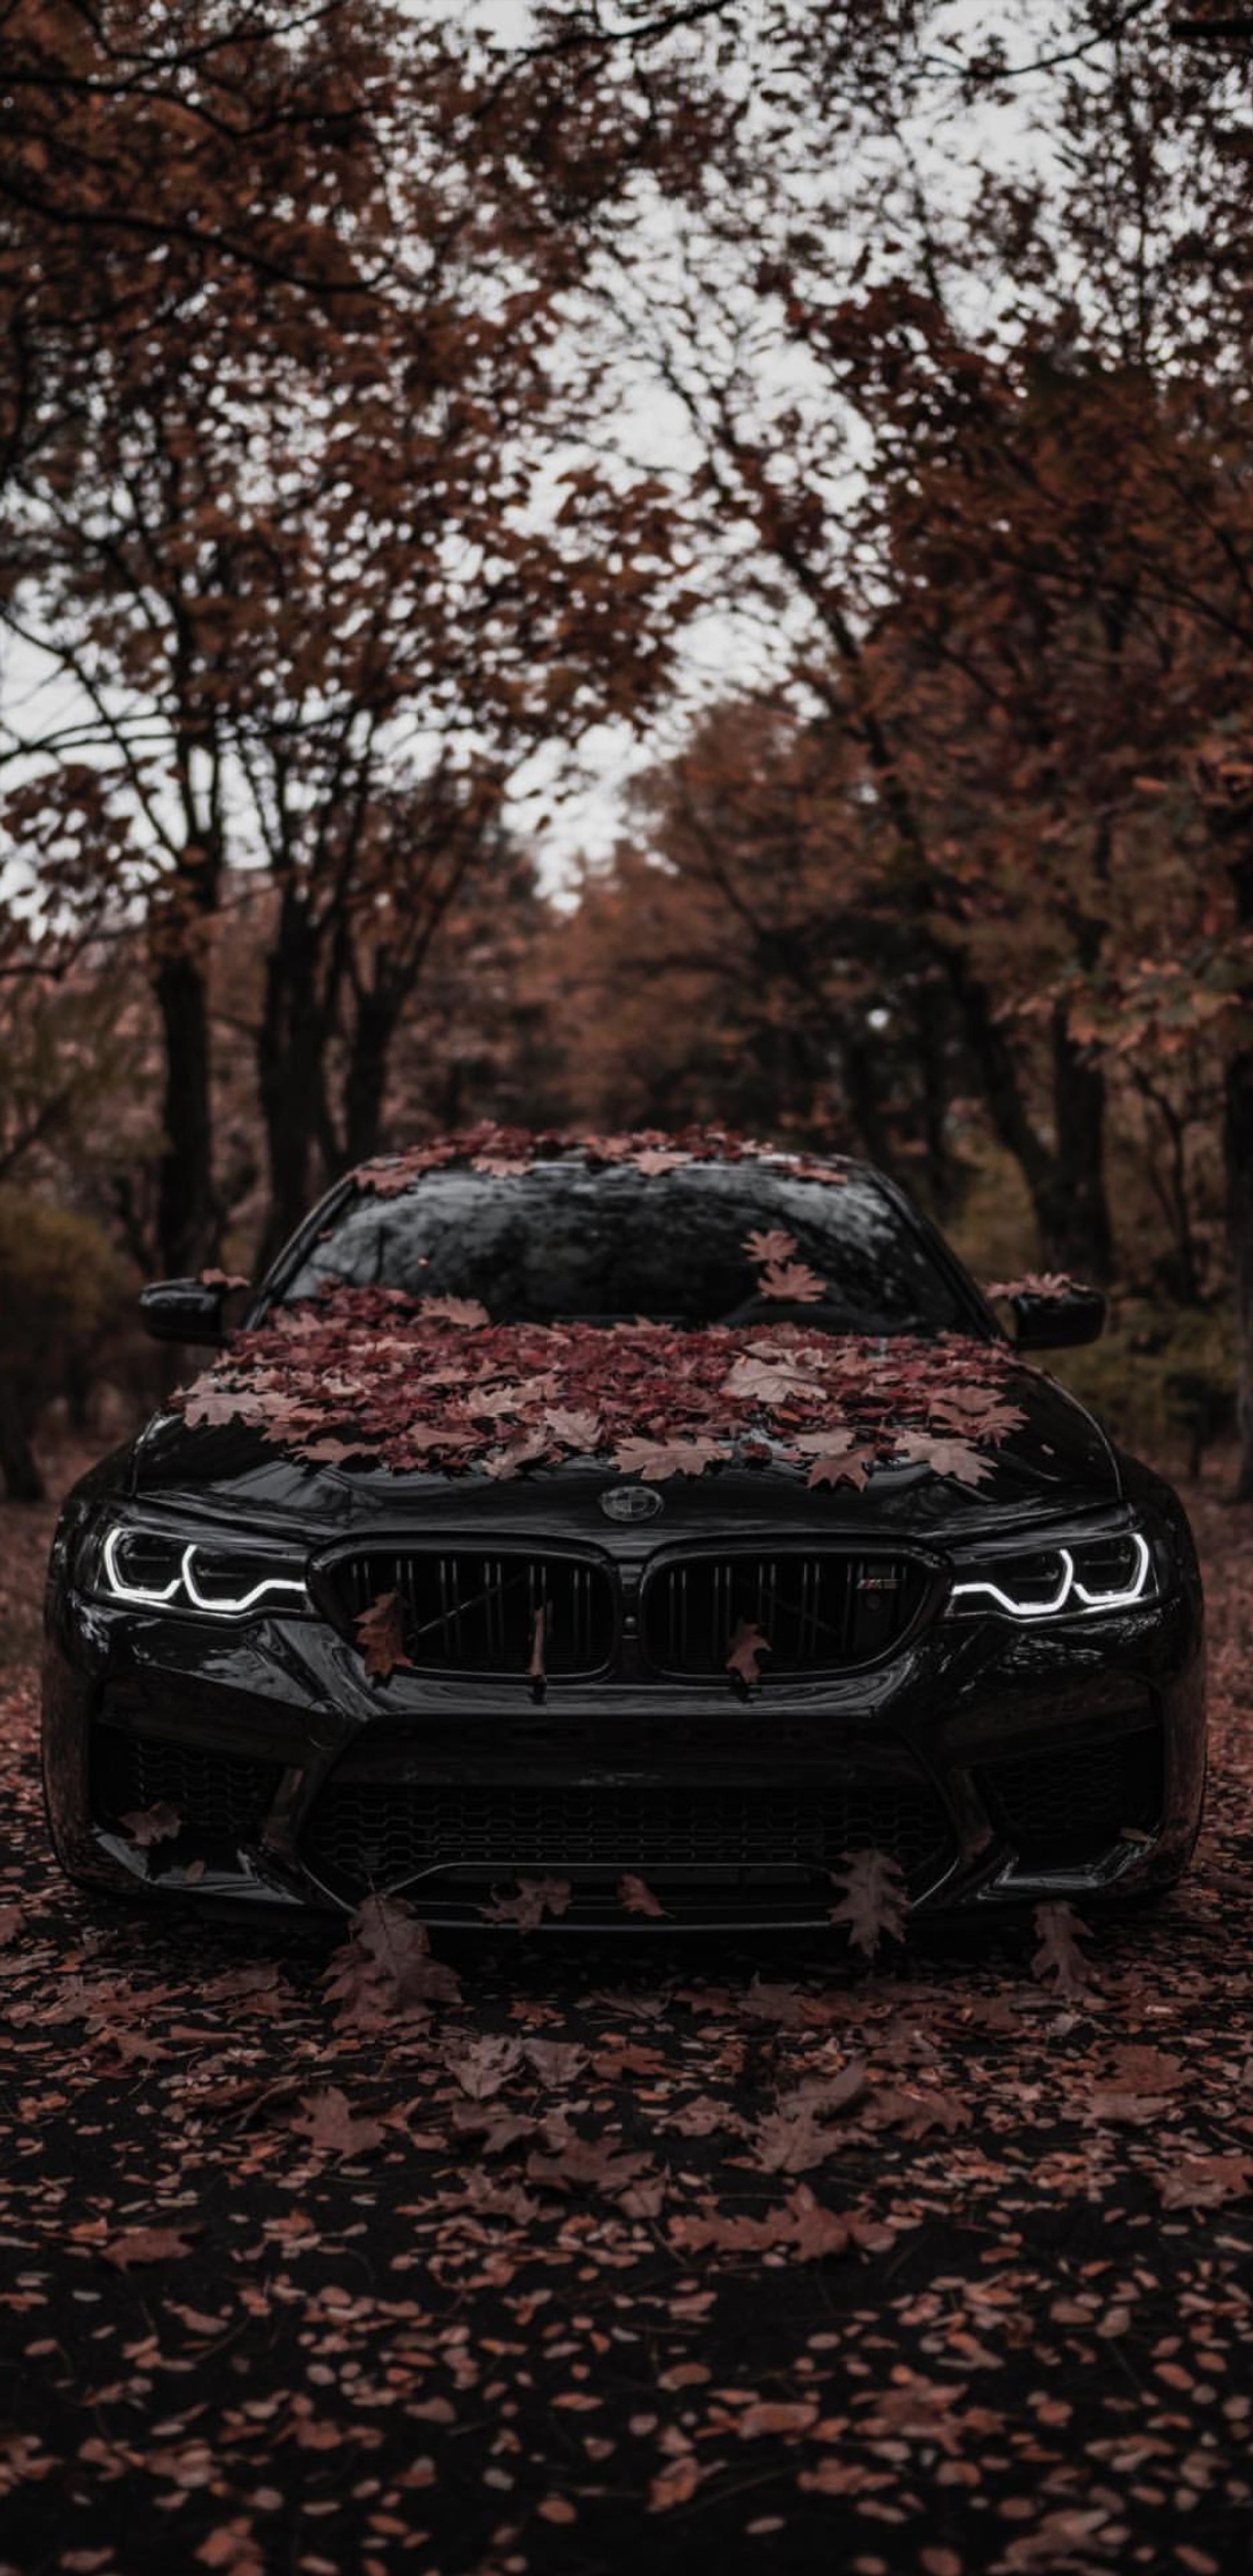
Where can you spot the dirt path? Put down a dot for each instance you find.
(709, 2256)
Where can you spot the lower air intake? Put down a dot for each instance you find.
(367, 1834)
(222, 1797)
(1071, 1805)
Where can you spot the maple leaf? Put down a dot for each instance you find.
(150, 2245)
(465, 1311)
(744, 1653)
(386, 1966)
(224, 1279)
(584, 2164)
(1059, 1957)
(773, 1245)
(555, 2061)
(329, 2124)
(652, 1160)
(654, 1460)
(580, 1432)
(794, 1281)
(1206, 2182)
(148, 1825)
(536, 1897)
(768, 1380)
(792, 2142)
(481, 2066)
(944, 1455)
(916, 2114)
(208, 1404)
(836, 1458)
(873, 1902)
(381, 1637)
(636, 1896)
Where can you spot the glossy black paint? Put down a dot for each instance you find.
(944, 1719)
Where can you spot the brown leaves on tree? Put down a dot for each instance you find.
(873, 1901)
(381, 1636)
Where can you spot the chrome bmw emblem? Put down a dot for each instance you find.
(632, 1503)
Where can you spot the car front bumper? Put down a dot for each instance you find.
(1002, 1765)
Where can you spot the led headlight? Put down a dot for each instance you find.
(1084, 1575)
(160, 1570)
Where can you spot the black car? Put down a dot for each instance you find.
(673, 1512)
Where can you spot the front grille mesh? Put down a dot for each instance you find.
(469, 1610)
(376, 1833)
(1069, 1805)
(828, 1610)
(222, 1797)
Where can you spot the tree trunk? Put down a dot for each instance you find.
(291, 1072)
(1238, 1156)
(365, 1082)
(1073, 1209)
(187, 1213)
(23, 1482)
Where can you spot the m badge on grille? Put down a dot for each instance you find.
(632, 1503)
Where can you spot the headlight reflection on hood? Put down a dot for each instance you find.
(157, 1571)
(1052, 1582)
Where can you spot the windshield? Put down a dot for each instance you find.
(708, 1243)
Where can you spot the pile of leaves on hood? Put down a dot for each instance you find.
(506, 1152)
(371, 1374)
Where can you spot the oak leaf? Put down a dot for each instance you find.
(1058, 1958)
(873, 1900)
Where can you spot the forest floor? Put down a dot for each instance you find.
(750, 2256)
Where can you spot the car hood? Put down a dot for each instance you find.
(1057, 1462)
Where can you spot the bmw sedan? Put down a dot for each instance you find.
(622, 1529)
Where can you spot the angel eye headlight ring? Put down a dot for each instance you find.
(1072, 1594)
(184, 1587)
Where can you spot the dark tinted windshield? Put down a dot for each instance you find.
(563, 1241)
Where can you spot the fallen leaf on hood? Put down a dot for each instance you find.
(771, 1244)
(655, 1460)
(465, 1311)
(793, 1281)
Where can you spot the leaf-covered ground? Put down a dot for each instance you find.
(751, 2255)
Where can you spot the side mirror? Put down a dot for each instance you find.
(1052, 1314)
(183, 1310)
